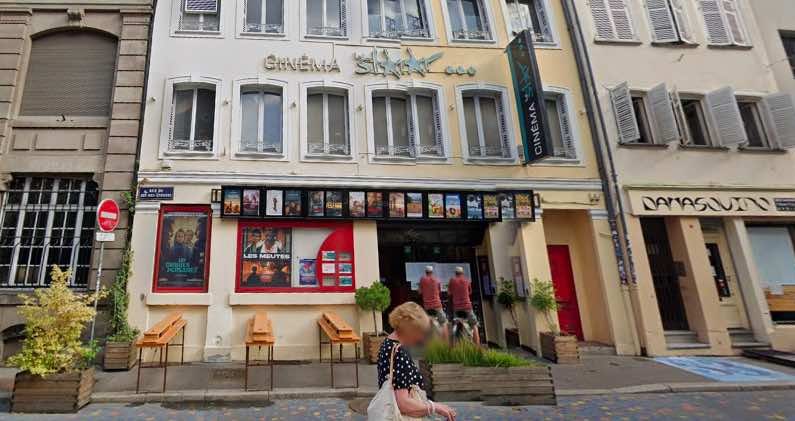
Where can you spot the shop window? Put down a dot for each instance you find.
(83, 83)
(326, 18)
(46, 221)
(328, 128)
(532, 15)
(560, 128)
(295, 257)
(199, 16)
(788, 40)
(264, 17)
(754, 124)
(407, 124)
(612, 20)
(468, 20)
(724, 23)
(774, 254)
(486, 126)
(396, 19)
(262, 116)
(182, 262)
(192, 126)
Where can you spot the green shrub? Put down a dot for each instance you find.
(470, 355)
(120, 330)
(375, 298)
(544, 300)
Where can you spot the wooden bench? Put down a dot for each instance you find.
(339, 333)
(159, 337)
(259, 333)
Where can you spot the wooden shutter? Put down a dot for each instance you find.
(661, 21)
(717, 32)
(679, 114)
(619, 11)
(734, 22)
(603, 20)
(725, 114)
(543, 20)
(679, 8)
(665, 130)
(506, 139)
(437, 122)
(413, 141)
(566, 135)
(781, 113)
(627, 122)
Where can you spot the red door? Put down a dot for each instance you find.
(563, 280)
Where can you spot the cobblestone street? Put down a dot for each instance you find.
(688, 406)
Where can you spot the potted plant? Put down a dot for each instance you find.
(375, 298)
(507, 298)
(556, 346)
(56, 373)
(120, 343)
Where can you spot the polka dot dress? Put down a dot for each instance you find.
(406, 373)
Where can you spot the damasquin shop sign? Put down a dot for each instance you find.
(301, 64)
(397, 205)
(711, 203)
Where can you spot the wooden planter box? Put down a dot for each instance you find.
(58, 393)
(372, 343)
(119, 356)
(561, 349)
(493, 385)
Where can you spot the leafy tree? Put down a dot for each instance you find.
(375, 298)
(507, 297)
(544, 300)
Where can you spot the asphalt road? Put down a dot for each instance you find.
(776, 405)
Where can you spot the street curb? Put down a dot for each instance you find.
(229, 395)
(680, 388)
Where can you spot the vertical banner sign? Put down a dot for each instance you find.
(529, 98)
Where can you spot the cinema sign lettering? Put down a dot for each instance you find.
(710, 203)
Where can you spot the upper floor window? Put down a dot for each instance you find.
(199, 15)
(70, 73)
(724, 22)
(754, 123)
(612, 20)
(532, 15)
(261, 120)
(328, 128)
(644, 117)
(264, 16)
(407, 124)
(668, 21)
(398, 19)
(326, 18)
(192, 118)
(468, 20)
(788, 40)
(486, 125)
(560, 126)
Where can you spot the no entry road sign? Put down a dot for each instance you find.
(108, 215)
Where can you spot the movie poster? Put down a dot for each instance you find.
(183, 250)
(491, 207)
(397, 205)
(292, 203)
(435, 205)
(474, 207)
(274, 202)
(524, 205)
(453, 205)
(232, 202)
(414, 205)
(375, 204)
(266, 257)
(334, 204)
(307, 276)
(507, 206)
(316, 203)
(356, 204)
(251, 202)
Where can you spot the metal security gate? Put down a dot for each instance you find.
(664, 274)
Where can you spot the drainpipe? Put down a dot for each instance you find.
(607, 168)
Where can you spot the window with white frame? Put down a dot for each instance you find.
(753, 122)
(199, 15)
(560, 128)
(532, 15)
(668, 21)
(724, 22)
(192, 118)
(486, 125)
(468, 20)
(406, 124)
(328, 130)
(45, 221)
(788, 41)
(326, 18)
(644, 117)
(261, 111)
(264, 16)
(612, 20)
(395, 19)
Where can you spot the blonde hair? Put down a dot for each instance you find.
(409, 316)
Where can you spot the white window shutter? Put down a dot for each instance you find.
(717, 32)
(627, 122)
(603, 20)
(622, 21)
(734, 21)
(725, 113)
(201, 6)
(665, 129)
(344, 17)
(506, 139)
(437, 122)
(781, 113)
(413, 144)
(543, 20)
(682, 22)
(566, 134)
(661, 21)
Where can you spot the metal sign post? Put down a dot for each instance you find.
(107, 219)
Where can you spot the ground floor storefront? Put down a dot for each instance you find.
(218, 255)
(715, 269)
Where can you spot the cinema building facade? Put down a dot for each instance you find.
(295, 151)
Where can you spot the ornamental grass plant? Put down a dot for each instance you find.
(470, 355)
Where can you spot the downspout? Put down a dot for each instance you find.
(607, 168)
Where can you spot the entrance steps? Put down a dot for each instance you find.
(744, 339)
(595, 348)
(683, 339)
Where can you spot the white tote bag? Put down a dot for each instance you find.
(384, 406)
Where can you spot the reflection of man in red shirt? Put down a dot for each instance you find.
(431, 290)
(460, 289)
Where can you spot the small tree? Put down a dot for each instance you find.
(544, 300)
(375, 298)
(55, 318)
(120, 329)
(507, 298)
